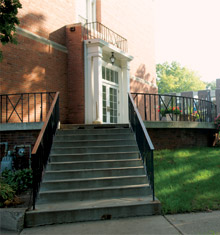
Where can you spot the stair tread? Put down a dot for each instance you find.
(109, 153)
(95, 134)
(105, 146)
(95, 169)
(80, 141)
(100, 203)
(96, 125)
(95, 161)
(96, 178)
(95, 189)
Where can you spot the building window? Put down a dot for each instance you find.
(109, 75)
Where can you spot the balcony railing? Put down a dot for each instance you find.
(25, 107)
(95, 30)
(159, 107)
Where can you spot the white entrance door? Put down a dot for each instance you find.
(110, 95)
(110, 103)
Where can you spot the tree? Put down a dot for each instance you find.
(8, 21)
(174, 78)
(211, 85)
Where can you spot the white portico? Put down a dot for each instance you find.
(106, 84)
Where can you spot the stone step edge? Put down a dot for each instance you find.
(143, 200)
(95, 169)
(95, 147)
(94, 179)
(85, 141)
(95, 189)
(101, 134)
(126, 125)
(109, 153)
(95, 161)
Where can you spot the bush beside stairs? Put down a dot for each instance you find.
(94, 173)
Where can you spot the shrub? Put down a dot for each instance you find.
(6, 192)
(217, 121)
(19, 180)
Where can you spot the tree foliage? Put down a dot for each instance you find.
(175, 78)
(8, 21)
(211, 85)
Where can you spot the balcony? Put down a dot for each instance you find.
(96, 30)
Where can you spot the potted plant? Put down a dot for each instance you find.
(171, 113)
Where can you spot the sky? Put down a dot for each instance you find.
(188, 31)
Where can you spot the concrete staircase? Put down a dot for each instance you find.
(94, 173)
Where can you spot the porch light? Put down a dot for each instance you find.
(112, 58)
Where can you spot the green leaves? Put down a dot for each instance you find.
(19, 180)
(8, 20)
(174, 78)
(6, 192)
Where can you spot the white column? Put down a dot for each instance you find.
(125, 88)
(93, 92)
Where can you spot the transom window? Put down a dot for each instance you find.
(109, 75)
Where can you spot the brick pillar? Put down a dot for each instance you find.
(217, 95)
(218, 83)
(187, 94)
(76, 103)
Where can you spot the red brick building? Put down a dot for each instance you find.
(61, 50)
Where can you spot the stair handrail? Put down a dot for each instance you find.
(144, 142)
(42, 147)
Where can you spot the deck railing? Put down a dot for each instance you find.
(42, 147)
(159, 107)
(25, 107)
(143, 140)
(95, 30)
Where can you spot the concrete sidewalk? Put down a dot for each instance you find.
(191, 223)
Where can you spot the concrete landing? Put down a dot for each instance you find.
(190, 223)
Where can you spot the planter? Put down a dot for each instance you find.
(188, 118)
(172, 117)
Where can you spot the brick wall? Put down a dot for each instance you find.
(31, 66)
(18, 138)
(47, 18)
(76, 105)
(133, 20)
(174, 138)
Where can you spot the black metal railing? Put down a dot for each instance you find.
(25, 107)
(97, 30)
(143, 140)
(42, 147)
(159, 107)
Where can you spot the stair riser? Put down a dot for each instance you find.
(93, 126)
(94, 131)
(92, 183)
(93, 143)
(53, 217)
(93, 165)
(94, 194)
(93, 174)
(93, 137)
(109, 149)
(93, 157)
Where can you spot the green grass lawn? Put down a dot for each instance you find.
(188, 180)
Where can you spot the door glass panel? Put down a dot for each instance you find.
(108, 74)
(103, 72)
(116, 77)
(113, 105)
(104, 106)
(112, 76)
